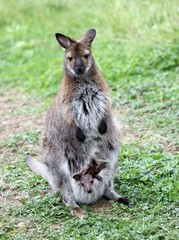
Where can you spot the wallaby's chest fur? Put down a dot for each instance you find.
(88, 105)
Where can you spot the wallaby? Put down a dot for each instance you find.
(86, 177)
(80, 126)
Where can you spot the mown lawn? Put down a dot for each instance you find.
(137, 49)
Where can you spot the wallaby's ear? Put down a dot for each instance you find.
(77, 176)
(64, 41)
(89, 37)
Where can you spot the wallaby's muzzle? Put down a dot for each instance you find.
(79, 67)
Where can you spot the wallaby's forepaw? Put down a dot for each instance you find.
(79, 135)
(125, 201)
(78, 212)
(103, 126)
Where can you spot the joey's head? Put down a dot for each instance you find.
(78, 57)
(86, 180)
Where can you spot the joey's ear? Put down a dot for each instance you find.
(89, 37)
(64, 41)
(77, 177)
(93, 162)
(102, 166)
(99, 178)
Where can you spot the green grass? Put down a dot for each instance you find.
(137, 50)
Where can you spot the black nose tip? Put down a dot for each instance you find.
(79, 70)
(89, 191)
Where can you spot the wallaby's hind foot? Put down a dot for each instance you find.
(111, 194)
(78, 212)
(125, 201)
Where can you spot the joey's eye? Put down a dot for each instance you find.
(70, 59)
(91, 181)
(86, 56)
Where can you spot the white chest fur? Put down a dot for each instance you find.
(88, 105)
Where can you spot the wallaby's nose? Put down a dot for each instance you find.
(79, 67)
(90, 191)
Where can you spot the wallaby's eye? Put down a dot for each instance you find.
(70, 58)
(91, 181)
(86, 56)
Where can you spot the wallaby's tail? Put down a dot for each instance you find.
(36, 166)
(39, 168)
